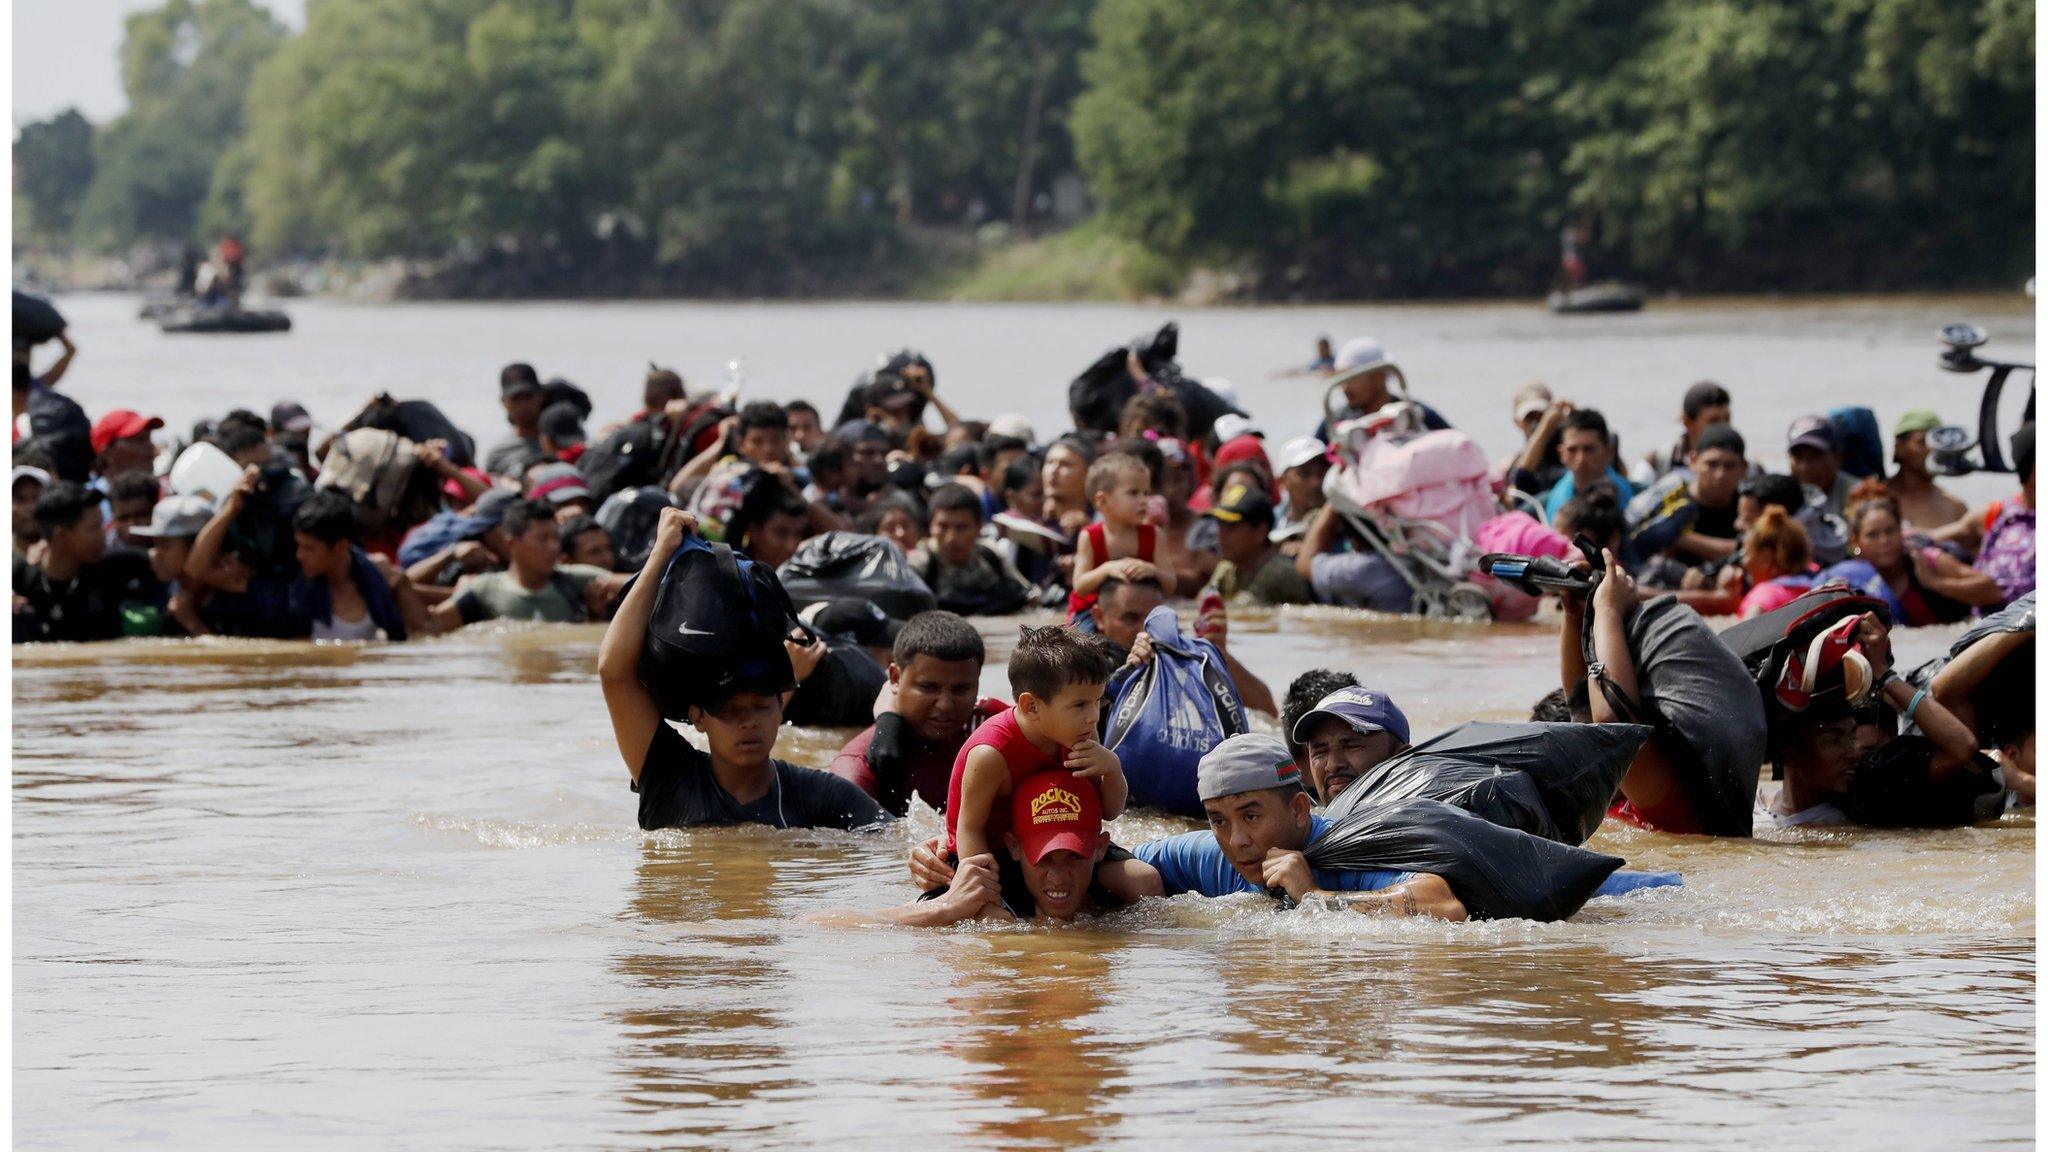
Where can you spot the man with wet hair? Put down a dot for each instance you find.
(1303, 694)
(131, 496)
(923, 715)
(1260, 822)
(81, 590)
(1934, 778)
(536, 585)
(737, 780)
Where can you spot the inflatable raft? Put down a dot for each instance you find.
(222, 320)
(1598, 298)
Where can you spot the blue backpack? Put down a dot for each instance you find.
(1168, 713)
(717, 628)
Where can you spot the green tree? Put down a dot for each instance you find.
(186, 69)
(53, 166)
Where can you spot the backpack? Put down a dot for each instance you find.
(1178, 706)
(370, 466)
(717, 628)
(639, 454)
(1763, 643)
(1856, 430)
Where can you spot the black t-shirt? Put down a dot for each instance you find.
(1716, 522)
(91, 605)
(677, 790)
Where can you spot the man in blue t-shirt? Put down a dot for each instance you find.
(1259, 823)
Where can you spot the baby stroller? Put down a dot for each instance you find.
(1414, 497)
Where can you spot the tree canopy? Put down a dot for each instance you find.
(1324, 148)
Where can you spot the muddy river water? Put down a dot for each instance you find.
(273, 895)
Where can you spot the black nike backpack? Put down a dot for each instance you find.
(717, 628)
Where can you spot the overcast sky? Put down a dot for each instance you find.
(66, 54)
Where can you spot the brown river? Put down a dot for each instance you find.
(272, 895)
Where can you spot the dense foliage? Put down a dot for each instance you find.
(1321, 147)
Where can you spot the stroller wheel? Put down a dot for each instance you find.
(1468, 602)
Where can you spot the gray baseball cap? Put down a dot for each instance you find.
(175, 517)
(1247, 763)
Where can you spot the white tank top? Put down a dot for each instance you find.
(335, 628)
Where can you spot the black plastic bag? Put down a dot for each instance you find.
(840, 692)
(35, 320)
(1497, 873)
(2003, 702)
(1096, 397)
(631, 516)
(418, 421)
(1707, 712)
(843, 565)
(1549, 780)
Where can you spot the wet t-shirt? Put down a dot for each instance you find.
(677, 790)
(500, 596)
(118, 596)
(1194, 862)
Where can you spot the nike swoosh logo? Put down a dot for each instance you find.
(686, 630)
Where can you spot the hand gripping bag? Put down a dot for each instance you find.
(1497, 873)
(717, 628)
(1168, 713)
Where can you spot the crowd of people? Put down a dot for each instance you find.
(396, 525)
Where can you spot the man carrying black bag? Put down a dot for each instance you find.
(738, 781)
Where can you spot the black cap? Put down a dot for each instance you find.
(518, 379)
(561, 423)
(289, 416)
(1723, 437)
(1242, 502)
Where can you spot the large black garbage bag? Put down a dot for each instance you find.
(842, 565)
(35, 320)
(631, 516)
(1096, 398)
(1549, 780)
(418, 421)
(840, 692)
(1707, 712)
(1497, 873)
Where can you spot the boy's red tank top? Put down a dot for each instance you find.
(1098, 539)
(1001, 733)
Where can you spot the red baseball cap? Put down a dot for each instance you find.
(1053, 810)
(120, 424)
